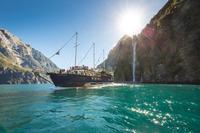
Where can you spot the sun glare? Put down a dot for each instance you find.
(130, 22)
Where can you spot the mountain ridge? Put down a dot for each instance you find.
(19, 61)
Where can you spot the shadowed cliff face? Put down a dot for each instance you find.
(168, 49)
(18, 61)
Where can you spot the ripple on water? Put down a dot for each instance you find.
(143, 112)
(124, 108)
(154, 116)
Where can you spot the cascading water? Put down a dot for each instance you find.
(134, 59)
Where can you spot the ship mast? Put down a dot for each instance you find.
(94, 55)
(76, 45)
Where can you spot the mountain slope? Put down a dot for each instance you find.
(168, 47)
(18, 61)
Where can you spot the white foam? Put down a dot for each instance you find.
(100, 86)
(89, 86)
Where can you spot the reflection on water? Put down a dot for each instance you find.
(138, 108)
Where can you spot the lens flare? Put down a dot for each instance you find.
(130, 22)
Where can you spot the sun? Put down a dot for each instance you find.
(130, 22)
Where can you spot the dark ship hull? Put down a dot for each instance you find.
(74, 80)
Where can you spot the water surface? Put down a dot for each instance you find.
(127, 108)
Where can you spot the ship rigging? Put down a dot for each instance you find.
(77, 75)
(75, 36)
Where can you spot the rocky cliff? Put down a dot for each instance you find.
(168, 48)
(19, 63)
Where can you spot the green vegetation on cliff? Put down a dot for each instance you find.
(4, 62)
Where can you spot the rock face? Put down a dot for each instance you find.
(168, 49)
(119, 60)
(19, 62)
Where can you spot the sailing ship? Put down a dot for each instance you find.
(79, 76)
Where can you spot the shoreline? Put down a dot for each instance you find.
(127, 82)
(185, 83)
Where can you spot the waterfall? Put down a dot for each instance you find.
(134, 59)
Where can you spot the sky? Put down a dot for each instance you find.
(47, 24)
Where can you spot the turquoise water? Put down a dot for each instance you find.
(139, 108)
